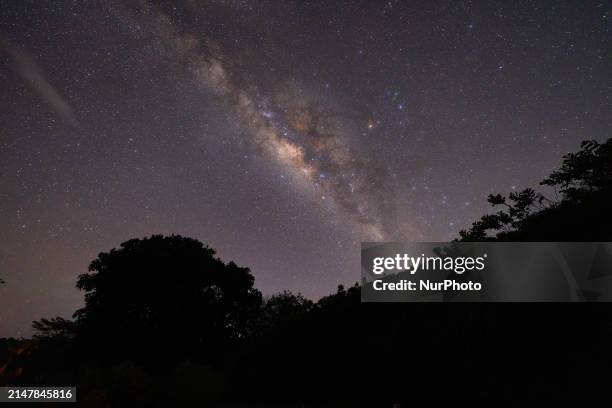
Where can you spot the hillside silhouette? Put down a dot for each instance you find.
(166, 322)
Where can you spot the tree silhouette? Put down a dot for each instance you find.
(164, 292)
(584, 182)
(281, 309)
(56, 327)
(169, 302)
(589, 170)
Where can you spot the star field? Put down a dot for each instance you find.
(282, 134)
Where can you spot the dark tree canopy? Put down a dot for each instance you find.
(164, 291)
(582, 213)
(281, 309)
(588, 170)
(54, 327)
(169, 302)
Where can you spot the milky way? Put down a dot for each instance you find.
(300, 132)
(280, 133)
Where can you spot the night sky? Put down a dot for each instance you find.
(281, 133)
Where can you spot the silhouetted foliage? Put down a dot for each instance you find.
(165, 323)
(588, 170)
(584, 182)
(56, 327)
(281, 309)
(164, 292)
